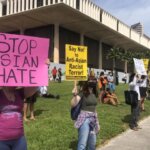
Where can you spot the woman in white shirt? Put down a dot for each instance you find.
(134, 83)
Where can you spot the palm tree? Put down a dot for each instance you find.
(115, 53)
(127, 57)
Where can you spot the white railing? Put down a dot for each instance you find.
(84, 6)
(109, 20)
(124, 29)
(90, 9)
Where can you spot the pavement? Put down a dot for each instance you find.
(131, 140)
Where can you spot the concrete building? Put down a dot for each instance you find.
(138, 27)
(78, 22)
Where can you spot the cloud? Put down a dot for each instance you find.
(129, 11)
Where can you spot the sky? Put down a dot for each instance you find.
(129, 11)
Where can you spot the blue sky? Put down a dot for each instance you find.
(129, 11)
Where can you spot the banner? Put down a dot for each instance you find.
(76, 62)
(146, 63)
(23, 60)
(139, 66)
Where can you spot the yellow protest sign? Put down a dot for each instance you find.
(76, 62)
(146, 63)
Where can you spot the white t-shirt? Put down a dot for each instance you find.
(134, 86)
(110, 78)
(43, 90)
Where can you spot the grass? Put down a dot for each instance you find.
(53, 128)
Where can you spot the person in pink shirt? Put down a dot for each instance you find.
(11, 120)
(54, 73)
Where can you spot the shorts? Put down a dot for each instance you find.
(31, 99)
(143, 91)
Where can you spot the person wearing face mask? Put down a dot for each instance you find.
(87, 122)
(111, 84)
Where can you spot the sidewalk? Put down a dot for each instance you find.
(131, 140)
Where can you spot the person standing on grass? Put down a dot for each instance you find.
(87, 122)
(111, 84)
(11, 120)
(54, 73)
(134, 82)
(143, 90)
(59, 75)
(29, 103)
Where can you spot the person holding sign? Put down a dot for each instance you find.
(134, 83)
(11, 120)
(87, 122)
(143, 90)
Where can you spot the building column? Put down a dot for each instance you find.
(100, 61)
(19, 6)
(56, 43)
(35, 3)
(81, 39)
(44, 2)
(125, 65)
(7, 11)
(11, 7)
(1, 9)
(15, 6)
(31, 4)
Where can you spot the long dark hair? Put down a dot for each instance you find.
(85, 87)
(131, 77)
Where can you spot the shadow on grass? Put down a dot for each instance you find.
(127, 118)
(73, 145)
(39, 111)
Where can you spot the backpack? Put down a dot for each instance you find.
(75, 111)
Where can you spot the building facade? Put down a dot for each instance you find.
(78, 22)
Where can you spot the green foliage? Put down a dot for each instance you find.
(53, 128)
(114, 53)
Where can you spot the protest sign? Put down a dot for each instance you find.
(146, 63)
(76, 62)
(139, 66)
(22, 60)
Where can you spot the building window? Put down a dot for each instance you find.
(4, 10)
(66, 37)
(78, 4)
(44, 32)
(39, 3)
(93, 52)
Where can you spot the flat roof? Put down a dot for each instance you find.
(68, 18)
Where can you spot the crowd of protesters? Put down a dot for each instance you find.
(102, 86)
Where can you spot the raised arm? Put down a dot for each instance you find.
(76, 98)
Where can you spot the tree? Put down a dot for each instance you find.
(115, 53)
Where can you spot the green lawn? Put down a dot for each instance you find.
(53, 128)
